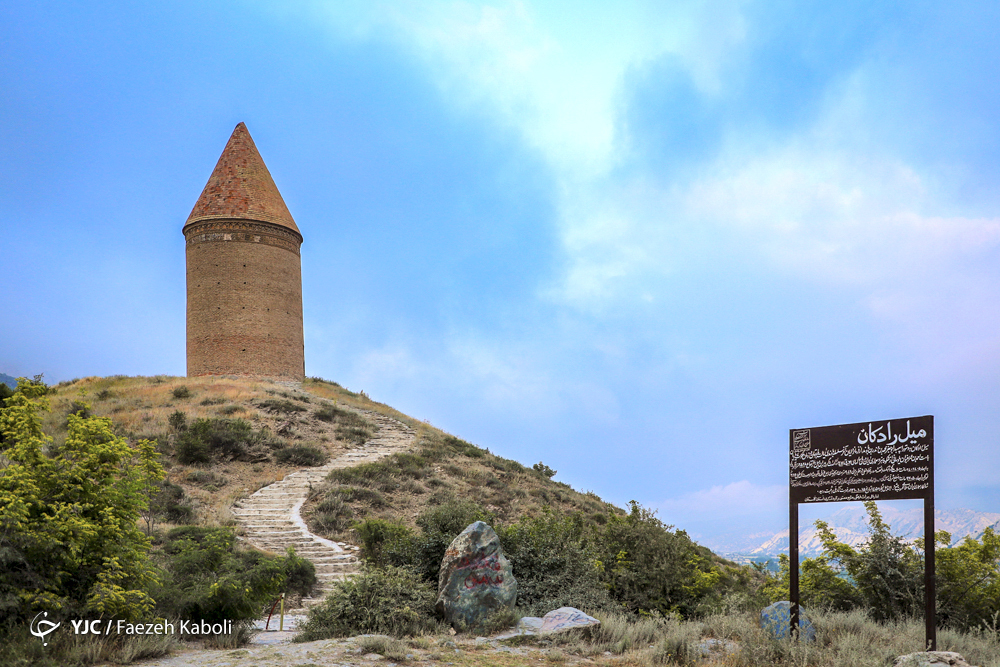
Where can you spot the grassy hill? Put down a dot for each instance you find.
(440, 468)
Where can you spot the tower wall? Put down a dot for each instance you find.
(244, 299)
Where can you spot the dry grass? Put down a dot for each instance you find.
(439, 468)
(736, 640)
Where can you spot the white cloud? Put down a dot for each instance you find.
(736, 499)
(552, 70)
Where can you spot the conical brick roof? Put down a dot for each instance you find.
(241, 187)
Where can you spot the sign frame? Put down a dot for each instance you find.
(864, 461)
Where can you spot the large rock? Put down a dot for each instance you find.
(475, 578)
(777, 618)
(931, 659)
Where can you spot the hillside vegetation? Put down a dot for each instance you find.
(276, 417)
(115, 497)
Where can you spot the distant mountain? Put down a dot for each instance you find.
(850, 525)
(8, 380)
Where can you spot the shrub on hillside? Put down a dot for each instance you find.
(390, 543)
(80, 409)
(332, 413)
(280, 406)
(543, 470)
(380, 475)
(300, 574)
(301, 455)
(332, 514)
(554, 564)
(384, 600)
(177, 420)
(227, 439)
(647, 567)
(356, 435)
(181, 392)
(166, 503)
(206, 576)
(385, 543)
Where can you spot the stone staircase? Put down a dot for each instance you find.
(270, 517)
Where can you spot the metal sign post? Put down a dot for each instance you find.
(884, 460)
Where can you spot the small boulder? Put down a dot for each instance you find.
(565, 618)
(777, 618)
(532, 624)
(475, 579)
(931, 659)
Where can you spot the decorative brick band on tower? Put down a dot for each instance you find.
(244, 276)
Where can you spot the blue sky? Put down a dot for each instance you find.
(637, 242)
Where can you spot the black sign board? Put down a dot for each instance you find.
(884, 460)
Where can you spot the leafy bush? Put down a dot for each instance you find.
(181, 392)
(554, 564)
(385, 543)
(213, 400)
(460, 446)
(207, 479)
(352, 493)
(440, 525)
(968, 581)
(328, 413)
(300, 574)
(207, 577)
(301, 455)
(384, 600)
(646, 567)
(381, 475)
(389, 543)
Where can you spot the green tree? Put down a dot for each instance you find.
(968, 580)
(887, 572)
(822, 584)
(69, 540)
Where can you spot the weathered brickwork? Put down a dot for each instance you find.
(244, 280)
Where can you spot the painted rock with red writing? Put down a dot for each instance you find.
(475, 579)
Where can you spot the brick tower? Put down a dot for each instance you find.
(244, 276)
